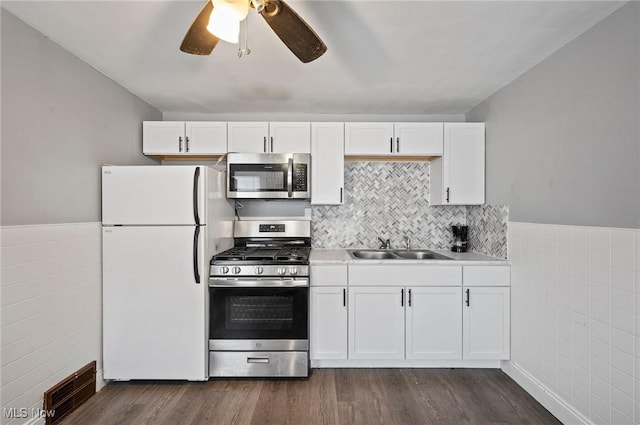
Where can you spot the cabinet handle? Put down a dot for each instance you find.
(187, 143)
(402, 297)
(180, 144)
(271, 144)
(265, 144)
(340, 195)
(448, 193)
(397, 145)
(467, 301)
(344, 297)
(391, 145)
(409, 297)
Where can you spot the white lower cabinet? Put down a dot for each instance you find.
(328, 339)
(376, 322)
(416, 323)
(486, 323)
(443, 316)
(434, 323)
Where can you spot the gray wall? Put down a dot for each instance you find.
(61, 119)
(563, 141)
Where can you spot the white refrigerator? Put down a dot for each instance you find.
(160, 227)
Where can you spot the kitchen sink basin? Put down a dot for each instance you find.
(384, 254)
(420, 255)
(372, 254)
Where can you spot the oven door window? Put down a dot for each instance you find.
(258, 178)
(258, 313)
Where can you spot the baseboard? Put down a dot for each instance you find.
(100, 382)
(549, 399)
(403, 364)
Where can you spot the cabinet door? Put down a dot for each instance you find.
(206, 138)
(486, 323)
(328, 322)
(464, 163)
(163, 137)
(289, 137)
(376, 323)
(434, 323)
(421, 138)
(370, 138)
(248, 136)
(327, 163)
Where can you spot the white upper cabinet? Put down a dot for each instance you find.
(368, 138)
(290, 137)
(265, 137)
(248, 136)
(457, 178)
(184, 138)
(408, 139)
(327, 163)
(418, 138)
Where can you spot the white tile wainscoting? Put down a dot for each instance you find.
(51, 300)
(575, 296)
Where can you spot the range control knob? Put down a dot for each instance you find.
(258, 270)
(235, 270)
(281, 271)
(224, 269)
(293, 271)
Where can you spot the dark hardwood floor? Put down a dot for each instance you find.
(330, 396)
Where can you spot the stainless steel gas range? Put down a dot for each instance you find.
(259, 302)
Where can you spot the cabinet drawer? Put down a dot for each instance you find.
(328, 275)
(487, 276)
(401, 275)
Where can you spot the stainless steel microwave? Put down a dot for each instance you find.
(268, 176)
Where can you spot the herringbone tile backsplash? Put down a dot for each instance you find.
(389, 200)
(488, 229)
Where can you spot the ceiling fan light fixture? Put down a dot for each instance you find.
(225, 19)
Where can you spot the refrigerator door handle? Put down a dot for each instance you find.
(196, 237)
(196, 181)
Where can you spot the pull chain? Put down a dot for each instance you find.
(244, 35)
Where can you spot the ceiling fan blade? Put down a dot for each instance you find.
(198, 40)
(294, 32)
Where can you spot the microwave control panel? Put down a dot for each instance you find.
(299, 177)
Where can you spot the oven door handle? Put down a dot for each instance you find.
(258, 283)
(290, 178)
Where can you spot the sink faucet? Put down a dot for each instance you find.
(384, 244)
(407, 242)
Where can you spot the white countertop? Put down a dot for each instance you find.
(341, 256)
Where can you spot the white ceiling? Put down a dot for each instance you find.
(383, 57)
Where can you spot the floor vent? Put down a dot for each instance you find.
(67, 395)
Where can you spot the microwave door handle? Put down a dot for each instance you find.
(290, 178)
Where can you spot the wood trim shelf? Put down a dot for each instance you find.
(387, 158)
(352, 158)
(187, 157)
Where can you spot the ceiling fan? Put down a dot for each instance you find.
(217, 15)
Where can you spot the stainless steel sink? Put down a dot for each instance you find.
(372, 254)
(384, 254)
(415, 254)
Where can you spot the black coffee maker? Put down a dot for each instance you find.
(460, 238)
